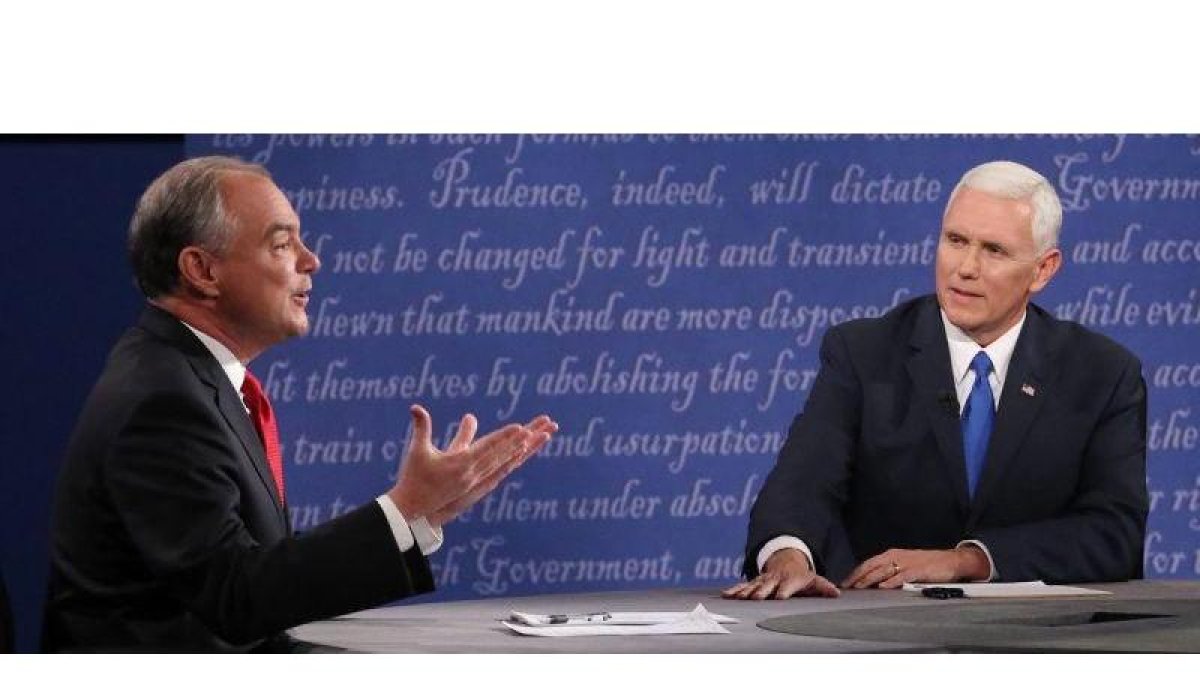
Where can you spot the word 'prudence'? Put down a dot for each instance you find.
(456, 191)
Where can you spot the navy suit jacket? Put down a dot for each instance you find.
(168, 533)
(875, 461)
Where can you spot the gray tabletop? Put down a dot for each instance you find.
(473, 626)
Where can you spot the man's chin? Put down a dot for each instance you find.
(963, 321)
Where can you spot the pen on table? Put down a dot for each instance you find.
(593, 617)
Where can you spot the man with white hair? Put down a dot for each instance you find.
(964, 436)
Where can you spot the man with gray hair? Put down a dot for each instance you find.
(964, 436)
(170, 529)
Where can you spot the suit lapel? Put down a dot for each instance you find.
(228, 401)
(933, 385)
(1019, 404)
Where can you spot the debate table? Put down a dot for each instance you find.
(473, 626)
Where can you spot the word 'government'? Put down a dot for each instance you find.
(498, 572)
(1078, 189)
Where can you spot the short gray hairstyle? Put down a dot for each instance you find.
(1017, 181)
(182, 207)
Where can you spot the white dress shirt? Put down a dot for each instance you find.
(962, 350)
(420, 532)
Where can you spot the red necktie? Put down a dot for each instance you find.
(264, 421)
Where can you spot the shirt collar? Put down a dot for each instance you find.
(234, 369)
(963, 349)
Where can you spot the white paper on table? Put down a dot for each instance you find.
(619, 618)
(697, 621)
(1014, 589)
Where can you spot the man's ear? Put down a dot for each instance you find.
(1047, 266)
(197, 271)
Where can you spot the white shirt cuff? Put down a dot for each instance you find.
(780, 543)
(419, 532)
(988, 554)
(429, 538)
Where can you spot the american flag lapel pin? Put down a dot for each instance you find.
(1028, 390)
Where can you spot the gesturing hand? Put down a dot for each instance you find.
(438, 485)
(787, 573)
(535, 435)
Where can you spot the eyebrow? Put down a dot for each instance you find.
(277, 227)
(982, 242)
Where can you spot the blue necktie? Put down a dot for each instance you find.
(977, 420)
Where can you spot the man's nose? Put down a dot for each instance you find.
(969, 265)
(308, 261)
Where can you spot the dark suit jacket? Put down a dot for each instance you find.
(167, 530)
(875, 461)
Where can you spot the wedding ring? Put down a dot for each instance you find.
(895, 568)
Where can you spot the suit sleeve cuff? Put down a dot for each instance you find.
(780, 543)
(988, 554)
(419, 532)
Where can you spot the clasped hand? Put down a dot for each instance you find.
(438, 485)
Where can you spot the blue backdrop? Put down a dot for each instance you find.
(663, 297)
